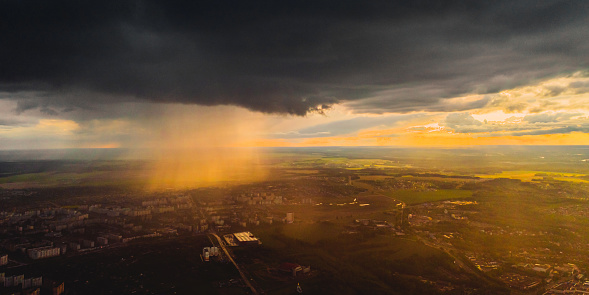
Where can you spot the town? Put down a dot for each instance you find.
(410, 230)
(73, 229)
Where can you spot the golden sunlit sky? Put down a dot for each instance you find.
(531, 114)
(152, 75)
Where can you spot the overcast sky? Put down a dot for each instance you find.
(295, 73)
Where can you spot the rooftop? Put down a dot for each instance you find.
(245, 237)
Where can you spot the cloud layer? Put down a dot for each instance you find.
(290, 57)
(536, 124)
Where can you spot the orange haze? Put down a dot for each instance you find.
(196, 146)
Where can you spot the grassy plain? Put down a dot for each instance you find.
(416, 197)
(347, 263)
(528, 176)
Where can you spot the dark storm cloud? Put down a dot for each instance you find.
(23, 105)
(11, 122)
(416, 99)
(284, 56)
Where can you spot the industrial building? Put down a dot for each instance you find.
(246, 238)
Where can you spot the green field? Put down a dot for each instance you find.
(49, 178)
(312, 233)
(528, 176)
(342, 162)
(416, 197)
(59, 179)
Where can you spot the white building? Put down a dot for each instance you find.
(43, 252)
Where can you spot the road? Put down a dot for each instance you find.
(243, 276)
